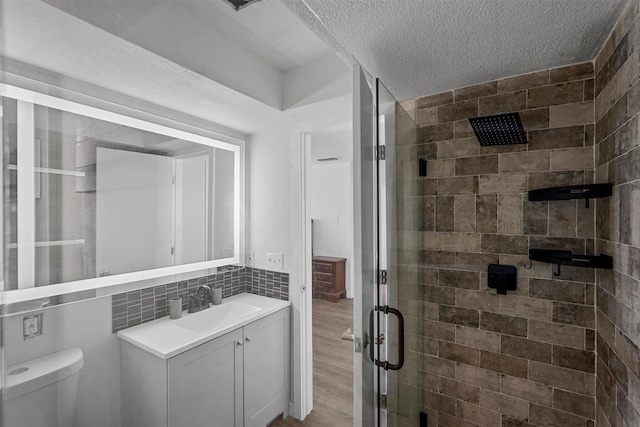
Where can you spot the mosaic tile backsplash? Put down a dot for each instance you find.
(136, 307)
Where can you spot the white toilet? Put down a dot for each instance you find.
(42, 392)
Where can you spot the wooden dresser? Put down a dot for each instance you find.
(328, 278)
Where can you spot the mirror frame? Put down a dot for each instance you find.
(24, 97)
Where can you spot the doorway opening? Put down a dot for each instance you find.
(329, 272)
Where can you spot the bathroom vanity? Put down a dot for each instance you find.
(224, 366)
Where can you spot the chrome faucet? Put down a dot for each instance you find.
(201, 299)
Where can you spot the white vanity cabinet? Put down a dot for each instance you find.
(237, 379)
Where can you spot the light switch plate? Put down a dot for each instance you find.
(274, 260)
(31, 326)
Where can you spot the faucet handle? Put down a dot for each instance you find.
(194, 303)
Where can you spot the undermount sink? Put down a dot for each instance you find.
(218, 316)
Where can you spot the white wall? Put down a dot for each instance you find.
(329, 190)
(84, 324)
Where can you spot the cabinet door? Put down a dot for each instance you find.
(266, 369)
(205, 384)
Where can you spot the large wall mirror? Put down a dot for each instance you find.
(95, 198)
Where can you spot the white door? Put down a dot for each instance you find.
(134, 211)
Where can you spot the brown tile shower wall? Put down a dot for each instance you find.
(618, 224)
(528, 358)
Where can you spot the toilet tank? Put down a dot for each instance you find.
(42, 392)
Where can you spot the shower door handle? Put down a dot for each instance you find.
(386, 365)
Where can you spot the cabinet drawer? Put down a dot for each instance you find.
(322, 267)
(322, 277)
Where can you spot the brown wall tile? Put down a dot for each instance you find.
(529, 308)
(464, 213)
(555, 333)
(440, 402)
(562, 93)
(477, 300)
(435, 100)
(459, 316)
(560, 378)
(440, 168)
(504, 244)
(574, 314)
(503, 324)
(524, 389)
(478, 165)
(535, 119)
(528, 161)
(504, 364)
(526, 349)
(427, 116)
(458, 185)
(478, 376)
(571, 114)
(553, 179)
(572, 358)
(563, 218)
(458, 111)
(459, 242)
(547, 417)
(572, 159)
(577, 404)
(476, 91)
(510, 214)
(453, 148)
(460, 279)
(561, 137)
(487, 213)
(438, 330)
(478, 338)
(525, 81)
(557, 290)
(444, 210)
(571, 72)
(437, 132)
(535, 218)
(459, 390)
(481, 416)
(508, 421)
(503, 183)
(516, 408)
(505, 103)
(459, 353)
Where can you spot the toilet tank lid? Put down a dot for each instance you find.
(42, 371)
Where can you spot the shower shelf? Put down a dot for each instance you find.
(570, 192)
(560, 257)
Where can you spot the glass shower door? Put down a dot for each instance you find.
(384, 312)
(399, 381)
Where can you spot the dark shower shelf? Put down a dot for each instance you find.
(570, 192)
(559, 257)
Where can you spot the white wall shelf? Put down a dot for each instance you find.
(51, 171)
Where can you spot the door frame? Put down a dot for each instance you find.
(306, 335)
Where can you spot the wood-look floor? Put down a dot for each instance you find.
(332, 368)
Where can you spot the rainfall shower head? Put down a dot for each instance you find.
(502, 129)
(240, 4)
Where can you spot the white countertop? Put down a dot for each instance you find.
(164, 339)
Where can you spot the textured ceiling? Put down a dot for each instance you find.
(419, 47)
(262, 68)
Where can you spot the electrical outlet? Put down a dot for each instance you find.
(31, 326)
(250, 258)
(274, 260)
